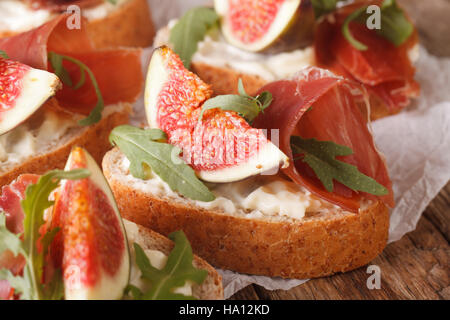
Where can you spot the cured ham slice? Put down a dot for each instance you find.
(385, 69)
(318, 104)
(10, 199)
(117, 71)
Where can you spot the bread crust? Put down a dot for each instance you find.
(306, 248)
(210, 289)
(94, 138)
(130, 25)
(225, 81)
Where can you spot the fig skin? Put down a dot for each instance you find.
(298, 34)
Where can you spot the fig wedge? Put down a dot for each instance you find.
(91, 247)
(23, 90)
(266, 25)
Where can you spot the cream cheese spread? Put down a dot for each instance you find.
(43, 129)
(216, 51)
(257, 196)
(38, 134)
(16, 16)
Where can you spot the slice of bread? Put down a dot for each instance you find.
(130, 25)
(94, 138)
(225, 80)
(316, 245)
(210, 289)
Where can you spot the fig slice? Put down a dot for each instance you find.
(266, 25)
(91, 247)
(222, 147)
(23, 90)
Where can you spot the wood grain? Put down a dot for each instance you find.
(417, 266)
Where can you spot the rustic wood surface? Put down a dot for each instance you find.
(417, 266)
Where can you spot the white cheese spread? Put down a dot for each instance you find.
(42, 130)
(16, 16)
(102, 10)
(257, 196)
(216, 51)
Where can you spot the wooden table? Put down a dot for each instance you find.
(417, 266)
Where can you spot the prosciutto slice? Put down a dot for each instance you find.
(385, 69)
(10, 199)
(318, 104)
(117, 71)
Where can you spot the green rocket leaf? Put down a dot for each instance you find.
(245, 105)
(321, 157)
(140, 148)
(395, 27)
(176, 272)
(190, 30)
(3, 54)
(56, 61)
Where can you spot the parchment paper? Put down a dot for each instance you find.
(416, 144)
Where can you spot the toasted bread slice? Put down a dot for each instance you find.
(52, 156)
(210, 289)
(316, 245)
(130, 25)
(225, 80)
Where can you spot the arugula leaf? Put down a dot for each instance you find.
(56, 60)
(190, 30)
(8, 240)
(112, 1)
(346, 31)
(322, 7)
(140, 148)
(175, 273)
(62, 73)
(245, 105)
(20, 284)
(246, 108)
(55, 287)
(34, 204)
(3, 54)
(320, 156)
(263, 100)
(395, 27)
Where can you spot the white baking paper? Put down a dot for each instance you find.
(416, 144)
